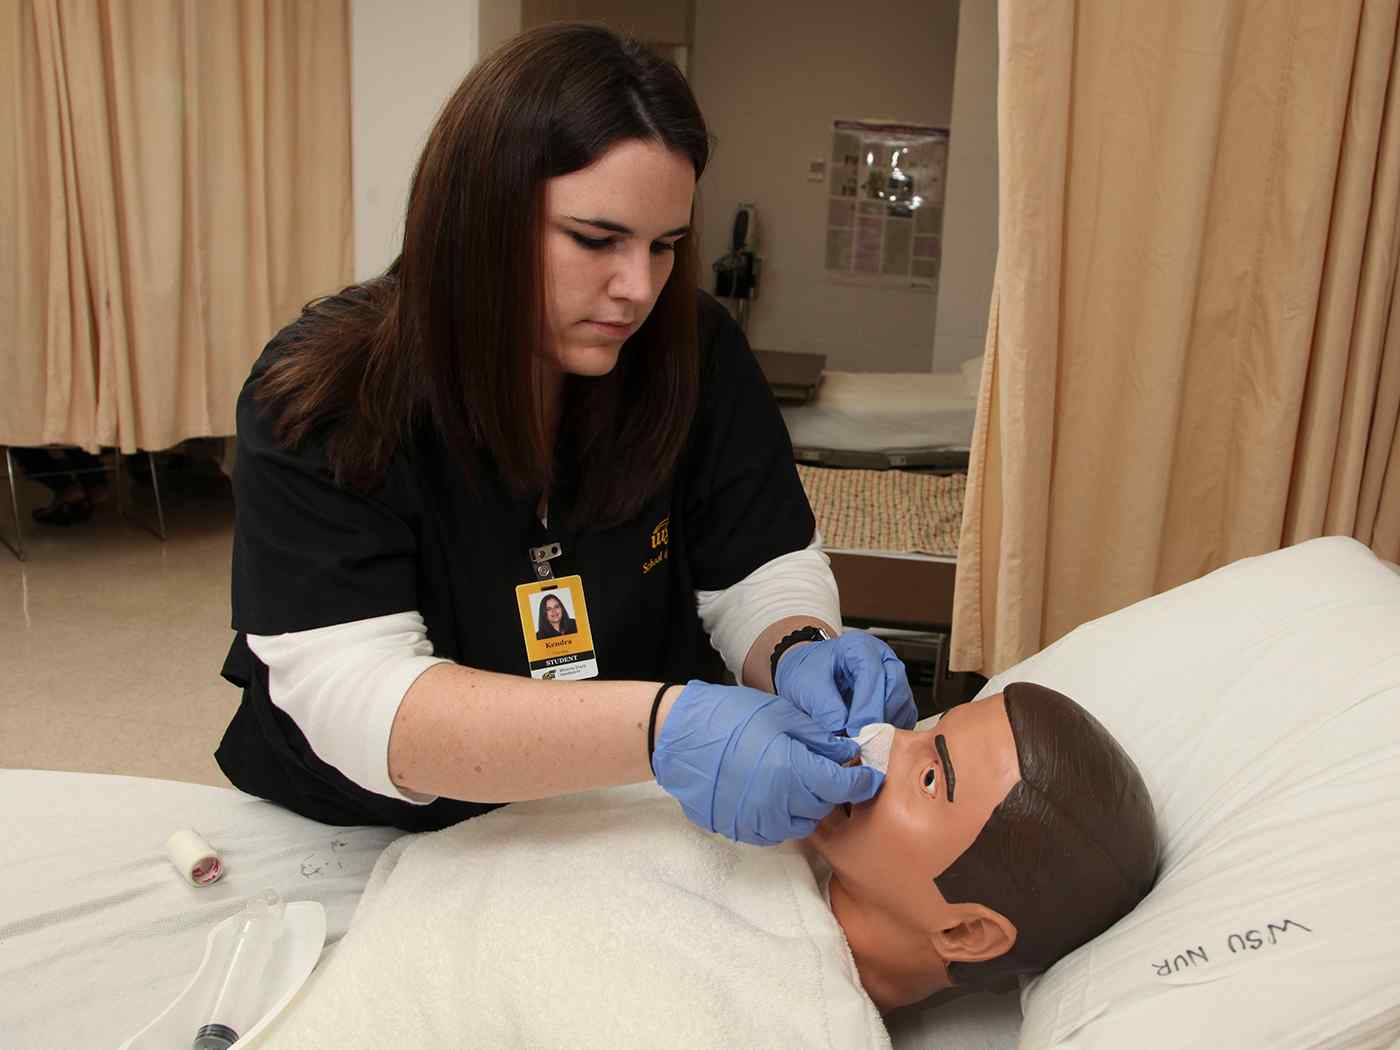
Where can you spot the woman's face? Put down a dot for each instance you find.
(609, 247)
(889, 849)
(553, 610)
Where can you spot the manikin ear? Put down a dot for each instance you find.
(979, 935)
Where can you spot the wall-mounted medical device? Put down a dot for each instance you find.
(736, 272)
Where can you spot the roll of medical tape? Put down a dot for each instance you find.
(194, 858)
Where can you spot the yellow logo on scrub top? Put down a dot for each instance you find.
(660, 538)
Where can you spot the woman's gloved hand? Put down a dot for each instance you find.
(751, 766)
(848, 682)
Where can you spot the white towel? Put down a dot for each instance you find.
(598, 920)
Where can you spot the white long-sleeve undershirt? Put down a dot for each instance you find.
(795, 584)
(342, 685)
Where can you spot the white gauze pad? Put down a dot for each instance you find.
(875, 741)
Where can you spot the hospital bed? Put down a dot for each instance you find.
(883, 457)
(1262, 703)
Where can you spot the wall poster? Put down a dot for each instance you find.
(884, 208)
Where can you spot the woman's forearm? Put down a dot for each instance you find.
(487, 737)
(758, 664)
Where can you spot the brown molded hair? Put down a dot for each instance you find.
(448, 335)
(1069, 851)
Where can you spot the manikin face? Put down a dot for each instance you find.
(609, 247)
(887, 852)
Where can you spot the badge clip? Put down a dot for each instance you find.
(541, 557)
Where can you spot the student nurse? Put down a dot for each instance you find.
(535, 405)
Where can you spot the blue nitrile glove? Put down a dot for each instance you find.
(846, 683)
(751, 766)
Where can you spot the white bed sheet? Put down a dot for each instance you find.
(98, 933)
(876, 411)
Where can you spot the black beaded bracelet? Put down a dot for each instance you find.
(651, 725)
(810, 633)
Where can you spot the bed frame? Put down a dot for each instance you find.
(909, 597)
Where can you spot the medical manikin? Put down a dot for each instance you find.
(1013, 831)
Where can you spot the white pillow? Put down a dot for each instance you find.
(1262, 704)
(972, 376)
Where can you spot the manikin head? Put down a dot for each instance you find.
(1012, 832)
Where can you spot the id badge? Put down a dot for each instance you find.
(554, 620)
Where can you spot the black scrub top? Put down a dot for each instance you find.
(310, 553)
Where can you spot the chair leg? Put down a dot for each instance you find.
(119, 475)
(124, 502)
(18, 546)
(155, 488)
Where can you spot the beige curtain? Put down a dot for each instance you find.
(176, 184)
(1194, 345)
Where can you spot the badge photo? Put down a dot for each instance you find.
(554, 622)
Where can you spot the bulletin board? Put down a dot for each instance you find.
(884, 206)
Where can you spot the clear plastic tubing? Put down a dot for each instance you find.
(236, 1001)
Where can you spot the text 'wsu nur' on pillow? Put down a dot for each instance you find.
(1262, 704)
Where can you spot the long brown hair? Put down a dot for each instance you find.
(448, 335)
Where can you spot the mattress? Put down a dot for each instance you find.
(877, 420)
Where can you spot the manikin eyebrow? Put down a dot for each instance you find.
(949, 777)
(617, 227)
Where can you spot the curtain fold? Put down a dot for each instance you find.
(1193, 352)
(182, 185)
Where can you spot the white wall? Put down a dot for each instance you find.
(500, 20)
(970, 212)
(651, 21)
(406, 60)
(770, 78)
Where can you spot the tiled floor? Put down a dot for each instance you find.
(111, 641)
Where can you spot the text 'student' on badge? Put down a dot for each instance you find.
(554, 622)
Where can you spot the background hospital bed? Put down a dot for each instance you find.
(867, 444)
(100, 934)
